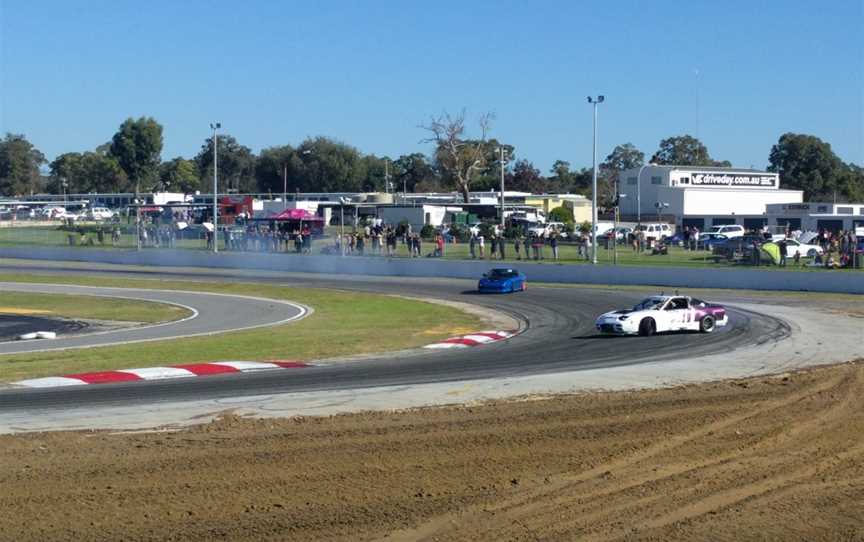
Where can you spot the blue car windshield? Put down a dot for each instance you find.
(500, 274)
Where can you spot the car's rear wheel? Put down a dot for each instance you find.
(647, 327)
(707, 324)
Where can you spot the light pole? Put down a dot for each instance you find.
(214, 127)
(501, 159)
(660, 206)
(284, 185)
(386, 175)
(639, 194)
(595, 102)
(64, 183)
(618, 197)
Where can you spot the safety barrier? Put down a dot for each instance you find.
(751, 279)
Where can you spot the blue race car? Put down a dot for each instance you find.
(501, 281)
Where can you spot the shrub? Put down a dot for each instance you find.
(487, 230)
(428, 231)
(561, 214)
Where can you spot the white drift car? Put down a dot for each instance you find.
(660, 313)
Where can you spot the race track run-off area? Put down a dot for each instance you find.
(553, 349)
(211, 313)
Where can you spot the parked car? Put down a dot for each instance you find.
(736, 247)
(729, 230)
(548, 228)
(501, 281)
(794, 247)
(100, 213)
(661, 313)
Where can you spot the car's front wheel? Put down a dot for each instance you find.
(647, 327)
(707, 324)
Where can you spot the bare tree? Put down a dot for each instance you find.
(458, 157)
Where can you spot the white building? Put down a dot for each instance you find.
(818, 216)
(701, 196)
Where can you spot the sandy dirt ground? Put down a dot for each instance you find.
(771, 458)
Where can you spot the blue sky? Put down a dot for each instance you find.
(735, 74)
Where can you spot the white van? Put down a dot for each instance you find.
(657, 231)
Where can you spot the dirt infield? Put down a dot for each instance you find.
(772, 458)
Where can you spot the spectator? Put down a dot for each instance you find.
(481, 245)
(553, 242)
(501, 241)
(517, 241)
(493, 251)
(472, 242)
(781, 245)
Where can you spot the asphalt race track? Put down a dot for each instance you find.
(212, 313)
(558, 336)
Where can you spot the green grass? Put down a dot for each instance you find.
(92, 307)
(343, 323)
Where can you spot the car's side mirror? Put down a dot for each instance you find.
(485, 275)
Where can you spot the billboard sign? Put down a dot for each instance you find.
(737, 180)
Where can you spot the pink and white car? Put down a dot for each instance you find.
(662, 313)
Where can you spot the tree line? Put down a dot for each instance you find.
(131, 162)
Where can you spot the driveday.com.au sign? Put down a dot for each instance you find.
(724, 179)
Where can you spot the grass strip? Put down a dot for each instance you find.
(91, 307)
(343, 323)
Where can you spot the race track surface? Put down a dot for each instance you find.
(558, 337)
(212, 313)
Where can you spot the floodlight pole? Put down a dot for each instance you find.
(595, 102)
(501, 153)
(215, 127)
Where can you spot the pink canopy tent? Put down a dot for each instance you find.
(300, 217)
(296, 214)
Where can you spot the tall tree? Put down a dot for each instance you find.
(684, 150)
(276, 170)
(458, 157)
(137, 147)
(622, 158)
(563, 179)
(19, 166)
(527, 178)
(236, 165)
(87, 172)
(179, 175)
(807, 163)
(412, 170)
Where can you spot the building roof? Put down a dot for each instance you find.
(714, 168)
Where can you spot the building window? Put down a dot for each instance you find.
(631, 180)
(656, 180)
(684, 180)
(844, 210)
(822, 209)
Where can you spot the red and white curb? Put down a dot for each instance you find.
(161, 373)
(473, 339)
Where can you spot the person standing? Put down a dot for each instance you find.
(517, 241)
(481, 244)
(472, 244)
(782, 246)
(501, 242)
(493, 251)
(553, 242)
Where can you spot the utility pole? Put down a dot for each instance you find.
(501, 159)
(594, 101)
(386, 175)
(214, 127)
(284, 184)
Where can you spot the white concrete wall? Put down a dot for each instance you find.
(828, 281)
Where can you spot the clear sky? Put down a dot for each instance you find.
(736, 74)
